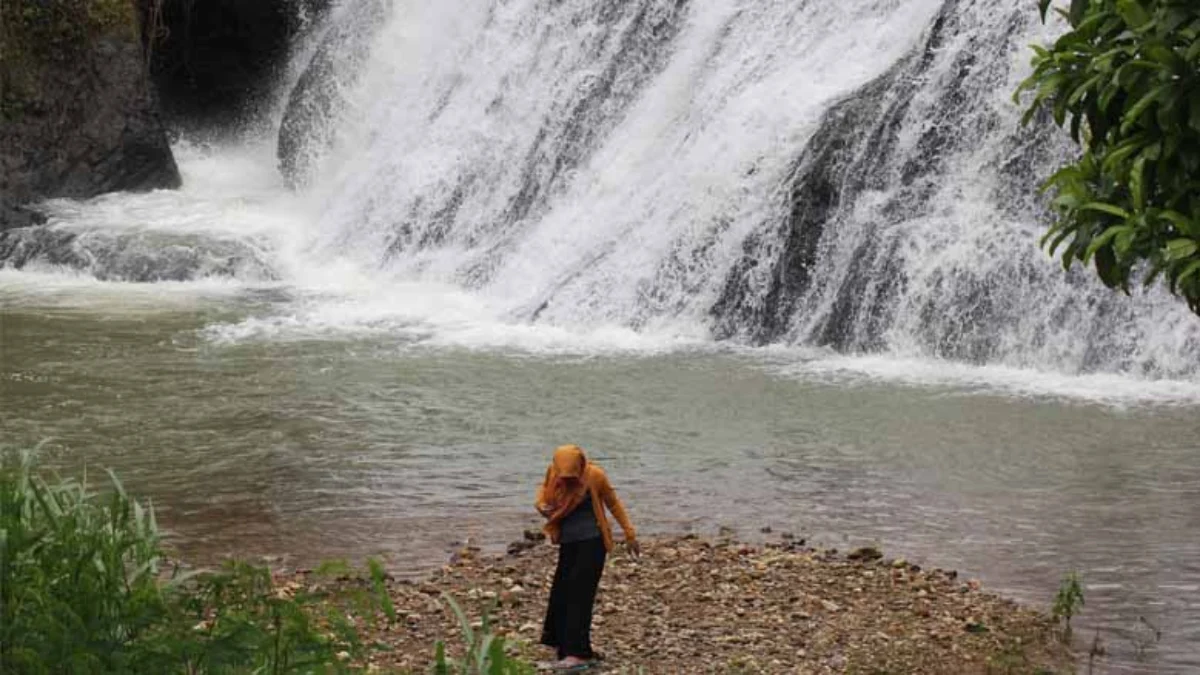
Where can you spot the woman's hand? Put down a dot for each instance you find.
(546, 510)
(635, 549)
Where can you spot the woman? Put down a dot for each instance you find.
(573, 499)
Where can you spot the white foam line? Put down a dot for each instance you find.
(1103, 388)
(443, 317)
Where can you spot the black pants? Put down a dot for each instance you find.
(568, 625)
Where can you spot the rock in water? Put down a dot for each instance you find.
(865, 554)
(13, 216)
(79, 118)
(134, 255)
(315, 105)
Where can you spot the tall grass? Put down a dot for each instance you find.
(483, 650)
(84, 588)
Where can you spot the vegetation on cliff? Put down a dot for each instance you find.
(79, 116)
(38, 34)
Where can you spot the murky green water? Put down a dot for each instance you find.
(380, 442)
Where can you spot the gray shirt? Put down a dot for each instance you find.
(580, 524)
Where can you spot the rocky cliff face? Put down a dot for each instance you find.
(217, 63)
(77, 115)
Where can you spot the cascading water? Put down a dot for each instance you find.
(850, 175)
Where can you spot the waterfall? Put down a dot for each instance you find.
(850, 175)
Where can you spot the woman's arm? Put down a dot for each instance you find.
(540, 504)
(609, 495)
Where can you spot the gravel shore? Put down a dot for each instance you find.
(693, 605)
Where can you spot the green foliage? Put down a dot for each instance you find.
(1125, 80)
(1068, 600)
(84, 589)
(483, 651)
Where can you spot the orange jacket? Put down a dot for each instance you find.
(569, 460)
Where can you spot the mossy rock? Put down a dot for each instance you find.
(36, 34)
(79, 118)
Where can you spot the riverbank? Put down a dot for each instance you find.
(691, 605)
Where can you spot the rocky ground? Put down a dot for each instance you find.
(691, 605)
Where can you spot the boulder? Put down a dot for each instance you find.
(79, 117)
(16, 215)
(134, 255)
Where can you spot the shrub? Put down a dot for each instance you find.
(1068, 601)
(1125, 80)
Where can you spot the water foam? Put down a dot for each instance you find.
(956, 378)
(436, 316)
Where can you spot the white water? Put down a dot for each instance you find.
(630, 245)
(641, 191)
(648, 222)
(463, 164)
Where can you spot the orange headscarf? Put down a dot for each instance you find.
(569, 479)
(564, 487)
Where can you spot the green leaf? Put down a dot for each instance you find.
(1109, 91)
(1136, 178)
(440, 666)
(1131, 116)
(1194, 108)
(1182, 223)
(1105, 208)
(1188, 272)
(1054, 236)
(1078, 9)
(463, 622)
(1107, 268)
(1084, 88)
(1043, 5)
(1162, 54)
(1133, 13)
(379, 586)
(1192, 53)
(1103, 240)
(1178, 249)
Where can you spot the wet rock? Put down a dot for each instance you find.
(79, 118)
(518, 547)
(13, 216)
(135, 255)
(865, 554)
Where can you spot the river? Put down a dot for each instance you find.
(282, 421)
